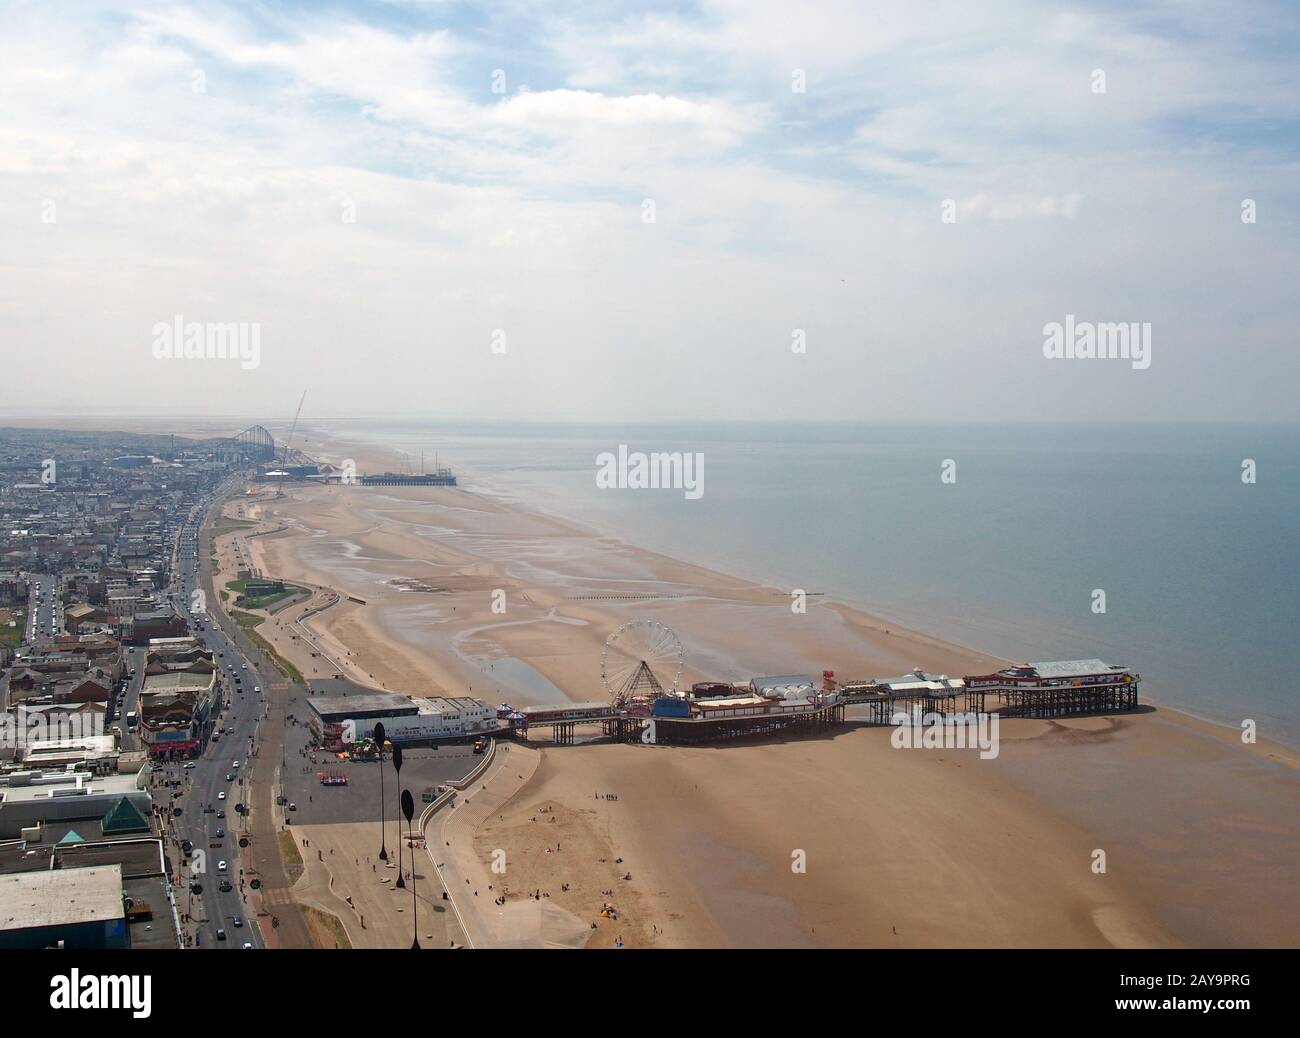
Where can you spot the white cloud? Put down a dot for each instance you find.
(774, 210)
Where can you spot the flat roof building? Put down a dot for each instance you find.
(364, 705)
(1054, 673)
(29, 798)
(340, 720)
(79, 907)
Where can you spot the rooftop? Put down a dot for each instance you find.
(178, 681)
(362, 703)
(731, 703)
(446, 704)
(59, 784)
(61, 897)
(1073, 668)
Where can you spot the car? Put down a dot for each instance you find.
(224, 886)
(221, 866)
(257, 688)
(235, 765)
(220, 833)
(293, 806)
(230, 776)
(248, 944)
(221, 814)
(243, 666)
(237, 922)
(189, 764)
(221, 795)
(221, 934)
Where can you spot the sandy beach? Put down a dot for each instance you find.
(914, 848)
(834, 841)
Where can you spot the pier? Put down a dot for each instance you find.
(441, 478)
(1070, 688)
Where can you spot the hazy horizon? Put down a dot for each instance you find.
(177, 422)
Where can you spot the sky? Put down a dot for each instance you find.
(725, 209)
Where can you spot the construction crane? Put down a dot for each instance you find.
(284, 461)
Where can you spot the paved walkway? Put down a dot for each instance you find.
(341, 862)
(521, 922)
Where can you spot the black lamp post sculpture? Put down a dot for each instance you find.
(379, 745)
(397, 767)
(408, 809)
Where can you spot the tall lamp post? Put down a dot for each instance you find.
(397, 767)
(379, 745)
(408, 809)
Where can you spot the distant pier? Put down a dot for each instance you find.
(441, 478)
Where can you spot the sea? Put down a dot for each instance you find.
(1170, 548)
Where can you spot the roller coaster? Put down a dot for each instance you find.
(255, 444)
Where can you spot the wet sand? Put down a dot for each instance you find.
(899, 848)
(911, 848)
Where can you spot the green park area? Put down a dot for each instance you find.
(13, 622)
(262, 601)
(225, 524)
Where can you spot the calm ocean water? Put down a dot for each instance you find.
(1201, 571)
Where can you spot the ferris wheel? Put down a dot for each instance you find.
(641, 657)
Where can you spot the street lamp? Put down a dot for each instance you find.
(379, 745)
(397, 767)
(408, 809)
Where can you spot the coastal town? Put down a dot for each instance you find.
(259, 699)
(147, 794)
(689, 483)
